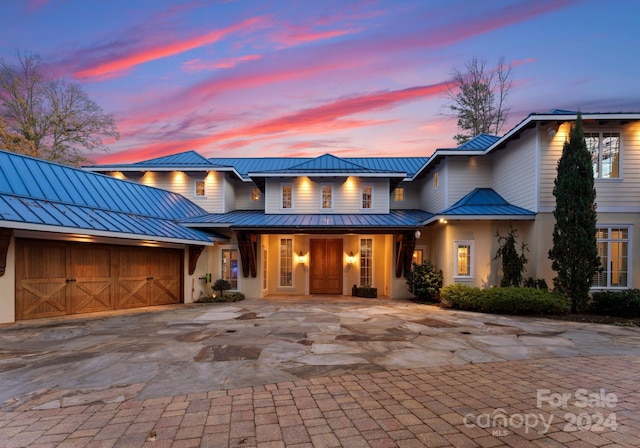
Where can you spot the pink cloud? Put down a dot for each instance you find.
(197, 65)
(123, 63)
(296, 35)
(322, 119)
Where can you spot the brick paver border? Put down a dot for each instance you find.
(433, 407)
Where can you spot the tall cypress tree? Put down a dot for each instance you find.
(574, 254)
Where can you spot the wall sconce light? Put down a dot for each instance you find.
(351, 258)
(301, 258)
(418, 234)
(443, 221)
(552, 132)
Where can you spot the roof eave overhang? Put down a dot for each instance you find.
(100, 233)
(327, 174)
(163, 169)
(327, 229)
(437, 218)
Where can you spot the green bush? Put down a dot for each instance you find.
(233, 297)
(461, 297)
(424, 281)
(538, 283)
(504, 300)
(221, 285)
(523, 301)
(624, 303)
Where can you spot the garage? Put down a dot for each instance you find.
(56, 278)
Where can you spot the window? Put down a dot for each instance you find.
(418, 256)
(399, 194)
(327, 193)
(614, 251)
(286, 262)
(366, 262)
(230, 266)
(200, 189)
(287, 196)
(255, 194)
(464, 259)
(367, 195)
(435, 180)
(605, 153)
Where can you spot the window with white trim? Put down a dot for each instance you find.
(229, 266)
(463, 259)
(327, 196)
(605, 153)
(367, 196)
(366, 262)
(200, 189)
(287, 196)
(399, 195)
(614, 250)
(286, 262)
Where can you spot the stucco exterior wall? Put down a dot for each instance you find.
(8, 287)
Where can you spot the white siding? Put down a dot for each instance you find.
(229, 192)
(243, 197)
(514, 171)
(347, 195)
(433, 199)
(612, 195)
(181, 183)
(411, 197)
(464, 174)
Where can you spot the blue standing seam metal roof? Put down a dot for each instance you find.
(33, 178)
(259, 220)
(326, 164)
(484, 202)
(480, 141)
(20, 210)
(190, 158)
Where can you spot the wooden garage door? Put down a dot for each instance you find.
(325, 266)
(59, 278)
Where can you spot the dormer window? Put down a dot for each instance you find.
(399, 194)
(287, 196)
(367, 196)
(200, 191)
(327, 196)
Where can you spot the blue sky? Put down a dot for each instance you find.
(304, 78)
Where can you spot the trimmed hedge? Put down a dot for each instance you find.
(504, 300)
(624, 303)
(226, 297)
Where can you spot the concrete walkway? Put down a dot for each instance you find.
(317, 373)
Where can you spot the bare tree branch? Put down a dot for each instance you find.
(57, 116)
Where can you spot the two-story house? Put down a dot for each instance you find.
(304, 226)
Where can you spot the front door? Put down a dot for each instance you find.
(325, 266)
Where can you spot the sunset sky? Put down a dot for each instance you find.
(303, 78)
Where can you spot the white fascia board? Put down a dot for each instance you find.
(100, 233)
(159, 169)
(340, 174)
(443, 153)
(480, 218)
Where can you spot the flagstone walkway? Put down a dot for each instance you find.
(335, 374)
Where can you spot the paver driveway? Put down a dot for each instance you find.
(317, 373)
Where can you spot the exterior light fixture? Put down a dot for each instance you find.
(418, 234)
(351, 258)
(301, 258)
(443, 221)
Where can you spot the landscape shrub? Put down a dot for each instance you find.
(523, 301)
(424, 281)
(538, 283)
(504, 300)
(624, 303)
(226, 297)
(461, 297)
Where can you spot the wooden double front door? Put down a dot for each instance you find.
(58, 278)
(325, 266)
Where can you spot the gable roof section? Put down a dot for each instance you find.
(484, 203)
(327, 164)
(188, 158)
(257, 219)
(480, 141)
(40, 195)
